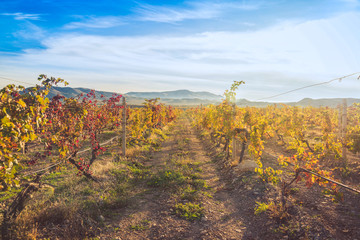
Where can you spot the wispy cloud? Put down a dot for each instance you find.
(96, 22)
(30, 31)
(23, 16)
(170, 15)
(245, 6)
(282, 55)
(193, 10)
(147, 12)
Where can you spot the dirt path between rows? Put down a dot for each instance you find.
(228, 213)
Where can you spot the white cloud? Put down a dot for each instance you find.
(23, 16)
(270, 60)
(96, 22)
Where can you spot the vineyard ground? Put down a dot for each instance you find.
(311, 214)
(316, 211)
(227, 213)
(182, 190)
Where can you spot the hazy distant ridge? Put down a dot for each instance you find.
(322, 102)
(186, 97)
(328, 102)
(74, 92)
(178, 94)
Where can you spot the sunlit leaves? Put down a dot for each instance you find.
(20, 109)
(310, 133)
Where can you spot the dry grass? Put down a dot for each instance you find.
(101, 168)
(59, 219)
(73, 207)
(184, 160)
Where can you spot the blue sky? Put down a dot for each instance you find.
(122, 46)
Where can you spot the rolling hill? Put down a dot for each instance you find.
(190, 98)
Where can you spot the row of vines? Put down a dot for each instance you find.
(38, 134)
(311, 136)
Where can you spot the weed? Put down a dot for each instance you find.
(167, 178)
(138, 170)
(145, 148)
(189, 211)
(119, 174)
(9, 194)
(189, 194)
(207, 194)
(199, 184)
(54, 177)
(195, 176)
(345, 171)
(262, 207)
(182, 153)
(293, 230)
(143, 225)
(335, 196)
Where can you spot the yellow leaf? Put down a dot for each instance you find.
(21, 103)
(5, 120)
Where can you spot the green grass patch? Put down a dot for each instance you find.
(190, 194)
(189, 211)
(199, 184)
(167, 178)
(9, 194)
(143, 225)
(138, 170)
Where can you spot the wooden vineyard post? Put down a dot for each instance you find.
(124, 128)
(235, 150)
(340, 122)
(234, 140)
(343, 130)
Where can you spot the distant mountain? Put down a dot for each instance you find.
(324, 102)
(69, 92)
(178, 94)
(247, 103)
(179, 97)
(189, 98)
